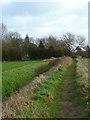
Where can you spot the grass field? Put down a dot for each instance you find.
(61, 92)
(16, 74)
(13, 65)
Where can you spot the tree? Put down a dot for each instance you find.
(41, 45)
(53, 43)
(12, 35)
(69, 41)
(26, 44)
(27, 39)
(11, 46)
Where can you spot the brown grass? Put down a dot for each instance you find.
(82, 72)
(54, 62)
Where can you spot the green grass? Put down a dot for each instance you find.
(13, 79)
(43, 105)
(13, 65)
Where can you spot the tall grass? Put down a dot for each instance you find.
(83, 81)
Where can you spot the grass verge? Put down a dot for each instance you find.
(76, 95)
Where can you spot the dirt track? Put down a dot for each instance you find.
(69, 106)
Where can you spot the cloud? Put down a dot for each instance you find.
(43, 18)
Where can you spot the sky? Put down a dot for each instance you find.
(44, 18)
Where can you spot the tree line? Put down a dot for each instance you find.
(14, 47)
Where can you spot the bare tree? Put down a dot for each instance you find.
(12, 35)
(53, 42)
(11, 46)
(69, 41)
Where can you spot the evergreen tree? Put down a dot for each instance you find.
(41, 45)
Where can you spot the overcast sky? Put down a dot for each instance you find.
(38, 19)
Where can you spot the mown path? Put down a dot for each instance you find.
(70, 105)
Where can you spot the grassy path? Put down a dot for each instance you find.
(71, 105)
